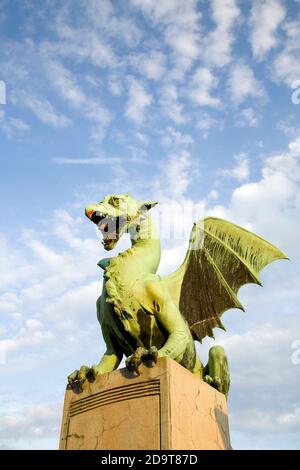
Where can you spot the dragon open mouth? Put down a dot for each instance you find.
(111, 228)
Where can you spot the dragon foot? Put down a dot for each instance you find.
(78, 377)
(141, 355)
(214, 382)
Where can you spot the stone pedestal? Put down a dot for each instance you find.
(165, 408)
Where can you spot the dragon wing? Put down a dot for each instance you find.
(220, 259)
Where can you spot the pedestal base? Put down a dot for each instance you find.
(165, 408)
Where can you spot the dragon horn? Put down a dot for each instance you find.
(148, 204)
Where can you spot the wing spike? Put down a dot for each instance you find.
(220, 325)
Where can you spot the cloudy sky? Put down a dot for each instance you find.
(194, 102)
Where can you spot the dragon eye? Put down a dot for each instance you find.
(114, 201)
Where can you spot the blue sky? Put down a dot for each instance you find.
(191, 102)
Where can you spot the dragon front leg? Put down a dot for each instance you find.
(109, 362)
(179, 343)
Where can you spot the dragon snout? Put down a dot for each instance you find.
(94, 215)
(89, 212)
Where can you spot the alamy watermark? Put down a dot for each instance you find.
(295, 358)
(172, 221)
(296, 94)
(2, 92)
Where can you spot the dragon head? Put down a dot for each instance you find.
(115, 215)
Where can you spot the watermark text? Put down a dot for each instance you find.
(2, 92)
(296, 93)
(295, 358)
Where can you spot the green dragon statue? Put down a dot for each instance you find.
(144, 315)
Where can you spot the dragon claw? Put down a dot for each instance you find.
(133, 361)
(208, 379)
(72, 378)
(218, 383)
(215, 382)
(141, 355)
(78, 377)
(153, 353)
(136, 368)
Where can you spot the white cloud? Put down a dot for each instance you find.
(180, 24)
(142, 138)
(3, 14)
(106, 18)
(31, 335)
(286, 65)
(202, 82)
(218, 44)
(170, 11)
(11, 126)
(115, 85)
(138, 101)
(212, 195)
(170, 105)
(243, 84)
(13, 269)
(42, 109)
(44, 266)
(289, 420)
(87, 161)
(171, 136)
(9, 302)
(33, 421)
(172, 258)
(176, 175)
(52, 290)
(184, 44)
(33, 324)
(272, 201)
(240, 171)
(64, 81)
(294, 147)
(247, 117)
(82, 44)
(205, 122)
(288, 127)
(78, 300)
(150, 64)
(24, 72)
(266, 16)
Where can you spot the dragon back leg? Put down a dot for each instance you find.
(216, 373)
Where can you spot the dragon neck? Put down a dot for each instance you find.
(142, 258)
(145, 245)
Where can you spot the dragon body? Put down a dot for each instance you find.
(144, 315)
